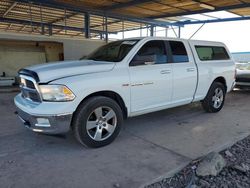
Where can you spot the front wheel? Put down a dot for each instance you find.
(97, 121)
(215, 98)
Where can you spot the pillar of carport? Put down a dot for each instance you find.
(106, 29)
(50, 29)
(43, 29)
(87, 25)
(179, 32)
(152, 30)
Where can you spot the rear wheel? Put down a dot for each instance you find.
(97, 121)
(215, 98)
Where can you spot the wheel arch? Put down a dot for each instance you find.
(110, 94)
(219, 79)
(222, 80)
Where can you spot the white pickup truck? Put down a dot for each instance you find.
(121, 79)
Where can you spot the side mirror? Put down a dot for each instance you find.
(143, 60)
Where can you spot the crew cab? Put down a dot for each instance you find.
(122, 79)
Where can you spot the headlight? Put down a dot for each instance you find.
(56, 93)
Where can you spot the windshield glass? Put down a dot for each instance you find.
(114, 51)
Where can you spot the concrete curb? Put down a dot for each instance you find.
(179, 168)
(169, 174)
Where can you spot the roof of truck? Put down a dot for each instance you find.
(171, 38)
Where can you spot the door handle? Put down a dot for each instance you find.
(165, 72)
(190, 69)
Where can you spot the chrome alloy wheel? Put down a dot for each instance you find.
(218, 98)
(101, 123)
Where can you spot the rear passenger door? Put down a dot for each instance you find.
(184, 72)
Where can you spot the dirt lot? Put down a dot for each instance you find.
(150, 147)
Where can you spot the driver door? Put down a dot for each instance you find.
(150, 77)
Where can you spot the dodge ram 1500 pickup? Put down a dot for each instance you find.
(121, 79)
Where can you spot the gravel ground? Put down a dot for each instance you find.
(236, 174)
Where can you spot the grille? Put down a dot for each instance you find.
(30, 84)
(28, 89)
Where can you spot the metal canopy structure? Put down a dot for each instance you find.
(88, 18)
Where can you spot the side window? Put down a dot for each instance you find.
(208, 53)
(153, 52)
(179, 52)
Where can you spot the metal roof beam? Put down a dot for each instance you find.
(8, 27)
(103, 24)
(38, 24)
(9, 9)
(60, 5)
(225, 8)
(204, 3)
(215, 20)
(64, 18)
(133, 29)
(22, 28)
(126, 4)
(214, 17)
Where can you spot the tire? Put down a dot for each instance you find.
(97, 121)
(214, 101)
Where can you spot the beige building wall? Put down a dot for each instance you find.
(18, 51)
(74, 48)
(13, 59)
(16, 54)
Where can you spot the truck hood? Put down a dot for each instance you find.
(57, 70)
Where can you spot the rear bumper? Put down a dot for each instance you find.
(242, 84)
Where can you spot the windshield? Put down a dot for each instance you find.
(114, 51)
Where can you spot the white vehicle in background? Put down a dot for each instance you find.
(123, 79)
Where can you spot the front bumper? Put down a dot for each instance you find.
(50, 123)
(56, 124)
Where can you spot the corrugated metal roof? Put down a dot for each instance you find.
(67, 16)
